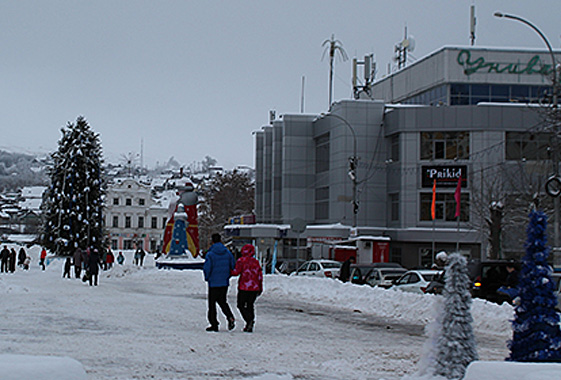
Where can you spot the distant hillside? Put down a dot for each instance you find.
(19, 169)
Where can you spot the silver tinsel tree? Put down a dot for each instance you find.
(455, 345)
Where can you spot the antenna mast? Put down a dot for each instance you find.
(472, 21)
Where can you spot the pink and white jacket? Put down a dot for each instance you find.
(251, 274)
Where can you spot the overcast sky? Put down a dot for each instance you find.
(196, 78)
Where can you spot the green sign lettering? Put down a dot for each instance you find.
(534, 65)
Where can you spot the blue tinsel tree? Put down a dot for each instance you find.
(536, 331)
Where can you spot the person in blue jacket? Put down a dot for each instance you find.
(219, 263)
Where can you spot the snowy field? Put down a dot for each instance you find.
(145, 323)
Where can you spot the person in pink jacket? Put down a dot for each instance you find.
(250, 284)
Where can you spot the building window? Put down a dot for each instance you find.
(153, 245)
(426, 257)
(444, 145)
(128, 202)
(395, 255)
(115, 221)
(528, 146)
(140, 222)
(164, 220)
(395, 148)
(114, 244)
(154, 222)
(141, 201)
(127, 222)
(394, 207)
(322, 153)
(127, 244)
(444, 207)
(115, 201)
(322, 203)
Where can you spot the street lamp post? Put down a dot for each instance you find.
(353, 163)
(555, 84)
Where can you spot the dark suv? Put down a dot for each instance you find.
(488, 276)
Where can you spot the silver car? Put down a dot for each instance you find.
(319, 268)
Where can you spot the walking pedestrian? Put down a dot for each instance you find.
(78, 256)
(120, 258)
(5, 256)
(110, 259)
(219, 263)
(67, 267)
(21, 256)
(250, 284)
(42, 258)
(12, 261)
(93, 266)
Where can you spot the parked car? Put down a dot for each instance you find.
(319, 268)
(488, 276)
(376, 274)
(415, 281)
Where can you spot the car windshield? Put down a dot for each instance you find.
(331, 265)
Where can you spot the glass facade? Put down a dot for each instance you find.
(473, 93)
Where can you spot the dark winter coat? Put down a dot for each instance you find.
(219, 263)
(21, 256)
(78, 257)
(251, 274)
(93, 266)
(5, 254)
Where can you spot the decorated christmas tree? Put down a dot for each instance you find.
(455, 344)
(73, 205)
(536, 333)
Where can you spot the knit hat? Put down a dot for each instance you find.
(248, 250)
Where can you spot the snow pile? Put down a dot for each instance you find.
(18, 367)
(411, 308)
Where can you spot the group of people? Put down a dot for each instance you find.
(90, 261)
(219, 266)
(8, 260)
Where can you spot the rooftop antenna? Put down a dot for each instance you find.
(369, 76)
(401, 49)
(472, 21)
(333, 46)
(302, 98)
(142, 153)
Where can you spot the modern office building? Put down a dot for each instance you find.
(373, 169)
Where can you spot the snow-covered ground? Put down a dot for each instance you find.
(145, 323)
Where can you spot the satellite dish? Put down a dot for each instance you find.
(408, 43)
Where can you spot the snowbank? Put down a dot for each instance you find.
(21, 367)
(489, 318)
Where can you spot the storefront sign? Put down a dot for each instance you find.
(534, 66)
(446, 176)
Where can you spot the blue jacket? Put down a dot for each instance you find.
(219, 263)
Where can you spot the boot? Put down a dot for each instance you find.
(231, 323)
(249, 326)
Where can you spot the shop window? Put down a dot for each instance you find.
(527, 146)
(444, 145)
(444, 207)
